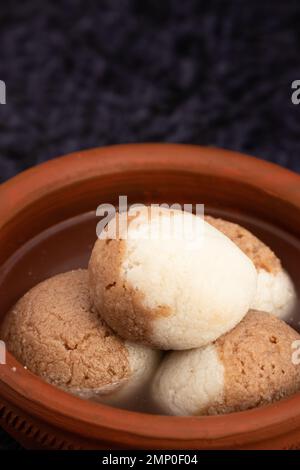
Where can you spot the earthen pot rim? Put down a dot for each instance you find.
(81, 165)
(26, 187)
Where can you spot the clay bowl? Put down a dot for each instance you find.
(44, 232)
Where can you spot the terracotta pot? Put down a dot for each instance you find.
(39, 415)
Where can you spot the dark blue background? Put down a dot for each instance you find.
(86, 73)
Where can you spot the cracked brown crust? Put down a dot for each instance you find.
(121, 305)
(54, 331)
(260, 254)
(257, 360)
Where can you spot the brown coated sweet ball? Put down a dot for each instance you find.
(54, 331)
(248, 367)
(275, 291)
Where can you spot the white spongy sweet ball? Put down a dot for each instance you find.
(248, 367)
(54, 331)
(275, 292)
(171, 290)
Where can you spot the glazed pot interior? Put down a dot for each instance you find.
(49, 221)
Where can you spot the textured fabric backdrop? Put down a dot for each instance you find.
(81, 74)
(84, 74)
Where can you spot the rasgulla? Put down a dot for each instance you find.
(54, 332)
(171, 290)
(275, 293)
(248, 367)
